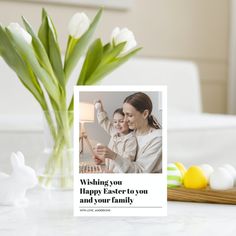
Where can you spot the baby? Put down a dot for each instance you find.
(123, 140)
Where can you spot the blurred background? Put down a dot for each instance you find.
(195, 30)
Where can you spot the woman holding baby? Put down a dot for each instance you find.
(137, 109)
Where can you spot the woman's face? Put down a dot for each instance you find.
(133, 117)
(119, 124)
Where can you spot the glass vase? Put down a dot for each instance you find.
(56, 163)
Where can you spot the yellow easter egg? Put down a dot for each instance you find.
(181, 167)
(195, 178)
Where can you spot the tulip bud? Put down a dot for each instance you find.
(123, 35)
(78, 25)
(15, 28)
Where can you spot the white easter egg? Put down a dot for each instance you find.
(98, 106)
(221, 179)
(207, 170)
(231, 170)
(174, 176)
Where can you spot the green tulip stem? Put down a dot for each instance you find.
(60, 159)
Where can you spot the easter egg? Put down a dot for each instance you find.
(221, 179)
(195, 178)
(181, 167)
(174, 176)
(231, 170)
(207, 170)
(98, 106)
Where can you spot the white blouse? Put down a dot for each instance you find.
(149, 155)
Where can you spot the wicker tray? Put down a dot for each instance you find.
(204, 195)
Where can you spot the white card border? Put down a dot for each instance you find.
(123, 88)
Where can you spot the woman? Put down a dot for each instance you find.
(137, 109)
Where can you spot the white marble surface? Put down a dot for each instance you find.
(50, 213)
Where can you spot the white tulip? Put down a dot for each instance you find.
(123, 35)
(78, 25)
(15, 28)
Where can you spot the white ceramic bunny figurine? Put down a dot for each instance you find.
(13, 187)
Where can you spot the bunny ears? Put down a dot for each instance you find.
(17, 160)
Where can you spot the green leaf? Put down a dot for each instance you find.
(16, 63)
(39, 49)
(104, 70)
(70, 44)
(43, 31)
(55, 55)
(27, 53)
(71, 106)
(112, 53)
(44, 13)
(80, 47)
(48, 36)
(92, 60)
(106, 48)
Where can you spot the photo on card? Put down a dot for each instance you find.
(120, 150)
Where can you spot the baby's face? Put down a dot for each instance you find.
(119, 124)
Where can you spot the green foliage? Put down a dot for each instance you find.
(39, 65)
(17, 63)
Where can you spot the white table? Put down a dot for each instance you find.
(49, 213)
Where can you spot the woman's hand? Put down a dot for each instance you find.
(105, 152)
(98, 160)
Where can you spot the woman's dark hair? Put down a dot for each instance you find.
(119, 111)
(141, 102)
